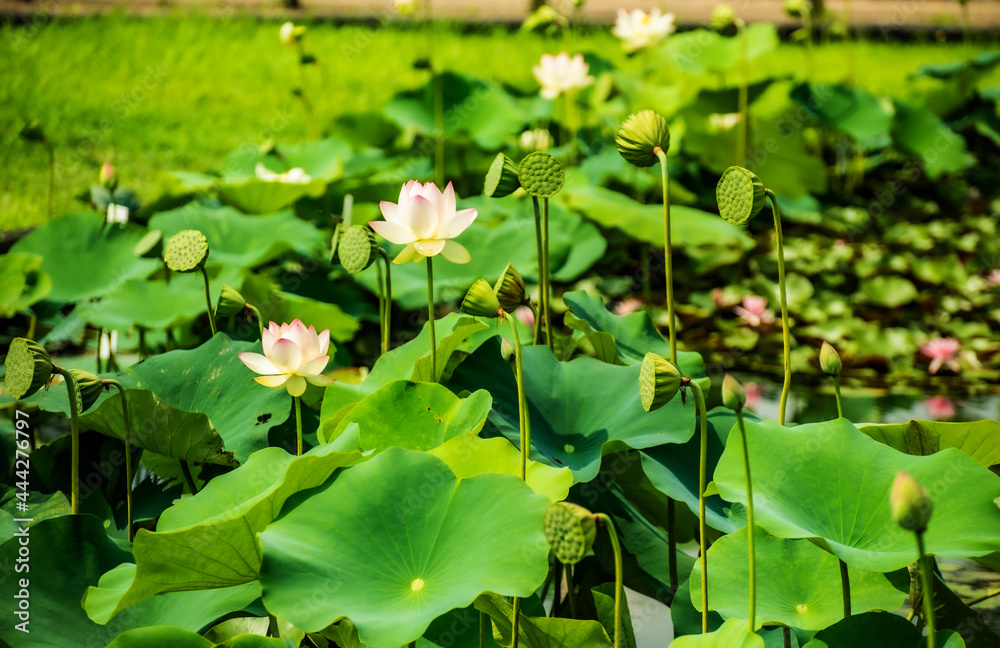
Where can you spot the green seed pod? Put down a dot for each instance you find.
(88, 386)
(659, 380)
(733, 395)
(501, 179)
(357, 248)
(640, 135)
(150, 246)
(230, 302)
(723, 20)
(186, 251)
(481, 301)
(541, 175)
(509, 289)
(740, 194)
(910, 503)
(29, 367)
(829, 360)
(570, 530)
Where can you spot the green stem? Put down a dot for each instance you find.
(438, 126)
(845, 586)
(482, 630)
(260, 320)
(807, 24)
(128, 453)
(541, 266)
(985, 597)
(619, 575)
(313, 125)
(699, 397)
(925, 579)
(668, 252)
(750, 526)
(387, 315)
(188, 477)
(74, 422)
(100, 339)
(548, 284)
(744, 123)
(379, 283)
(208, 302)
(836, 389)
(571, 591)
(848, 42)
(430, 316)
(557, 592)
(515, 630)
(785, 334)
(298, 425)
(522, 401)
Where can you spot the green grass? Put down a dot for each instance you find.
(180, 93)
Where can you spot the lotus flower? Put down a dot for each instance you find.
(993, 279)
(639, 30)
(117, 214)
(628, 306)
(424, 220)
(292, 176)
(290, 34)
(940, 407)
(941, 351)
(293, 355)
(754, 311)
(559, 74)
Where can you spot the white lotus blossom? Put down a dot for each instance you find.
(638, 30)
(292, 176)
(560, 74)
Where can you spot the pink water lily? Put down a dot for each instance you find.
(754, 311)
(940, 407)
(942, 351)
(293, 355)
(425, 220)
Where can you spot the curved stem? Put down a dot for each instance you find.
(188, 477)
(387, 315)
(430, 316)
(845, 586)
(541, 273)
(619, 575)
(128, 453)
(668, 252)
(699, 397)
(785, 334)
(74, 422)
(298, 425)
(744, 123)
(750, 527)
(925, 579)
(208, 301)
(260, 320)
(548, 285)
(522, 401)
(836, 388)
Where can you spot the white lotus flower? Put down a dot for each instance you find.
(424, 220)
(293, 355)
(638, 30)
(290, 34)
(559, 74)
(292, 176)
(117, 214)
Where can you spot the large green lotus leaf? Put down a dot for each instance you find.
(83, 258)
(447, 346)
(469, 455)
(732, 634)
(165, 636)
(700, 51)
(256, 196)
(889, 291)
(921, 132)
(414, 534)
(706, 238)
(578, 410)
(22, 282)
(322, 159)
(879, 630)
(831, 481)
(279, 306)
(209, 541)
(540, 632)
(798, 584)
(414, 415)
(864, 116)
(978, 439)
(235, 240)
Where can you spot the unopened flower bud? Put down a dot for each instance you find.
(740, 195)
(910, 503)
(186, 251)
(659, 381)
(357, 248)
(88, 386)
(481, 301)
(501, 179)
(733, 395)
(230, 302)
(640, 135)
(541, 175)
(28, 366)
(723, 19)
(509, 289)
(829, 360)
(570, 530)
(108, 178)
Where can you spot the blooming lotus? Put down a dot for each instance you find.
(424, 220)
(290, 34)
(754, 311)
(293, 355)
(117, 214)
(559, 74)
(941, 351)
(638, 30)
(292, 176)
(940, 407)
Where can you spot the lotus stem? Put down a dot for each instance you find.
(744, 123)
(571, 590)
(430, 315)
(807, 24)
(845, 586)
(786, 636)
(785, 334)
(836, 389)
(515, 629)
(379, 282)
(438, 126)
(750, 527)
(848, 42)
(208, 301)
(928, 586)
(298, 425)
(311, 122)
(699, 398)
(100, 338)
(541, 267)
(547, 304)
(482, 630)
(260, 320)
(668, 252)
(188, 477)
(74, 422)
(386, 314)
(985, 597)
(128, 453)
(619, 574)
(557, 591)
(522, 402)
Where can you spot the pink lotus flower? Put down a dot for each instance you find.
(754, 395)
(293, 355)
(626, 306)
(940, 407)
(525, 316)
(559, 74)
(941, 351)
(993, 279)
(424, 220)
(754, 311)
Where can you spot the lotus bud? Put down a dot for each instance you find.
(509, 289)
(723, 20)
(481, 301)
(639, 137)
(910, 503)
(357, 248)
(507, 349)
(796, 8)
(829, 360)
(107, 178)
(501, 179)
(150, 246)
(29, 367)
(290, 34)
(541, 175)
(570, 530)
(88, 387)
(186, 251)
(659, 381)
(740, 195)
(733, 395)
(230, 302)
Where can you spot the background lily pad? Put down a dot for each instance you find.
(22, 282)
(978, 439)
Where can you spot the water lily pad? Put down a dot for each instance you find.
(414, 533)
(256, 196)
(732, 634)
(978, 439)
(22, 282)
(864, 116)
(879, 630)
(700, 51)
(920, 132)
(890, 291)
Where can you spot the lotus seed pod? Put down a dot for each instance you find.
(910, 503)
(357, 248)
(659, 380)
(28, 366)
(723, 20)
(501, 179)
(230, 302)
(640, 135)
(733, 395)
(150, 246)
(541, 175)
(88, 388)
(570, 530)
(740, 194)
(509, 289)
(186, 251)
(481, 301)
(829, 360)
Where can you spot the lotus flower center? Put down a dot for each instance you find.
(802, 608)
(417, 584)
(569, 449)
